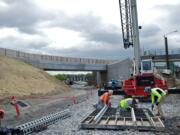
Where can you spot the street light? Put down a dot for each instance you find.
(166, 47)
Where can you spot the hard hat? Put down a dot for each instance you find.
(147, 89)
(110, 91)
(2, 112)
(166, 91)
(13, 97)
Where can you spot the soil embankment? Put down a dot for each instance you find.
(18, 78)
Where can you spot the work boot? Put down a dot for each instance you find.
(158, 114)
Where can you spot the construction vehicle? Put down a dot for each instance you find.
(112, 84)
(143, 74)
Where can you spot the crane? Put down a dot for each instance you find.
(130, 28)
(135, 85)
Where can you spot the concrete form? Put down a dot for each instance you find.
(139, 119)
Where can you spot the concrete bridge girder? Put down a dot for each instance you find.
(67, 66)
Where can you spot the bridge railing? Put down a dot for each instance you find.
(162, 51)
(49, 58)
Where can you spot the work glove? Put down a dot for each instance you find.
(109, 104)
(157, 103)
(152, 107)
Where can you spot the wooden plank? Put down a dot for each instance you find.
(91, 120)
(142, 122)
(148, 117)
(116, 120)
(129, 123)
(146, 124)
(111, 122)
(107, 120)
(88, 119)
(158, 122)
(103, 122)
(139, 123)
(161, 122)
(153, 122)
(120, 122)
(124, 121)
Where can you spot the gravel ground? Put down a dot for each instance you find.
(70, 126)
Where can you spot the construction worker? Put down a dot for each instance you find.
(105, 99)
(2, 112)
(16, 105)
(128, 103)
(157, 97)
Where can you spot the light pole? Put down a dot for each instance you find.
(166, 47)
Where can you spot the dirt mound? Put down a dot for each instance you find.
(19, 78)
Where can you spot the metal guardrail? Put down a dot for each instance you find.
(40, 57)
(161, 52)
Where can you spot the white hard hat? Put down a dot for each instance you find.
(110, 91)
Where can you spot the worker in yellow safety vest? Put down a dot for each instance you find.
(128, 103)
(157, 98)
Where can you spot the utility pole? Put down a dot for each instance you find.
(166, 48)
(166, 51)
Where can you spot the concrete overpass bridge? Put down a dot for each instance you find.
(99, 67)
(158, 55)
(103, 70)
(58, 63)
(162, 58)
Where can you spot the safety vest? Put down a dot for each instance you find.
(105, 98)
(158, 93)
(124, 103)
(2, 112)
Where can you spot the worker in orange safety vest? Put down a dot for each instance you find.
(105, 99)
(1, 115)
(15, 104)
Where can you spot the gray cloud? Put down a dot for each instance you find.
(169, 21)
(23, 44)
(21, 14)
(100, 40)
(171, 14)
(170, 18)
(102, 53)
(150, 30)
(90, 27)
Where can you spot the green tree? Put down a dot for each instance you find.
(61, 77)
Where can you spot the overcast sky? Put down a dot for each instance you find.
(84, 28)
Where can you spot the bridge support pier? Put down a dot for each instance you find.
(100, 78)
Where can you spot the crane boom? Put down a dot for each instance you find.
(130, 28)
